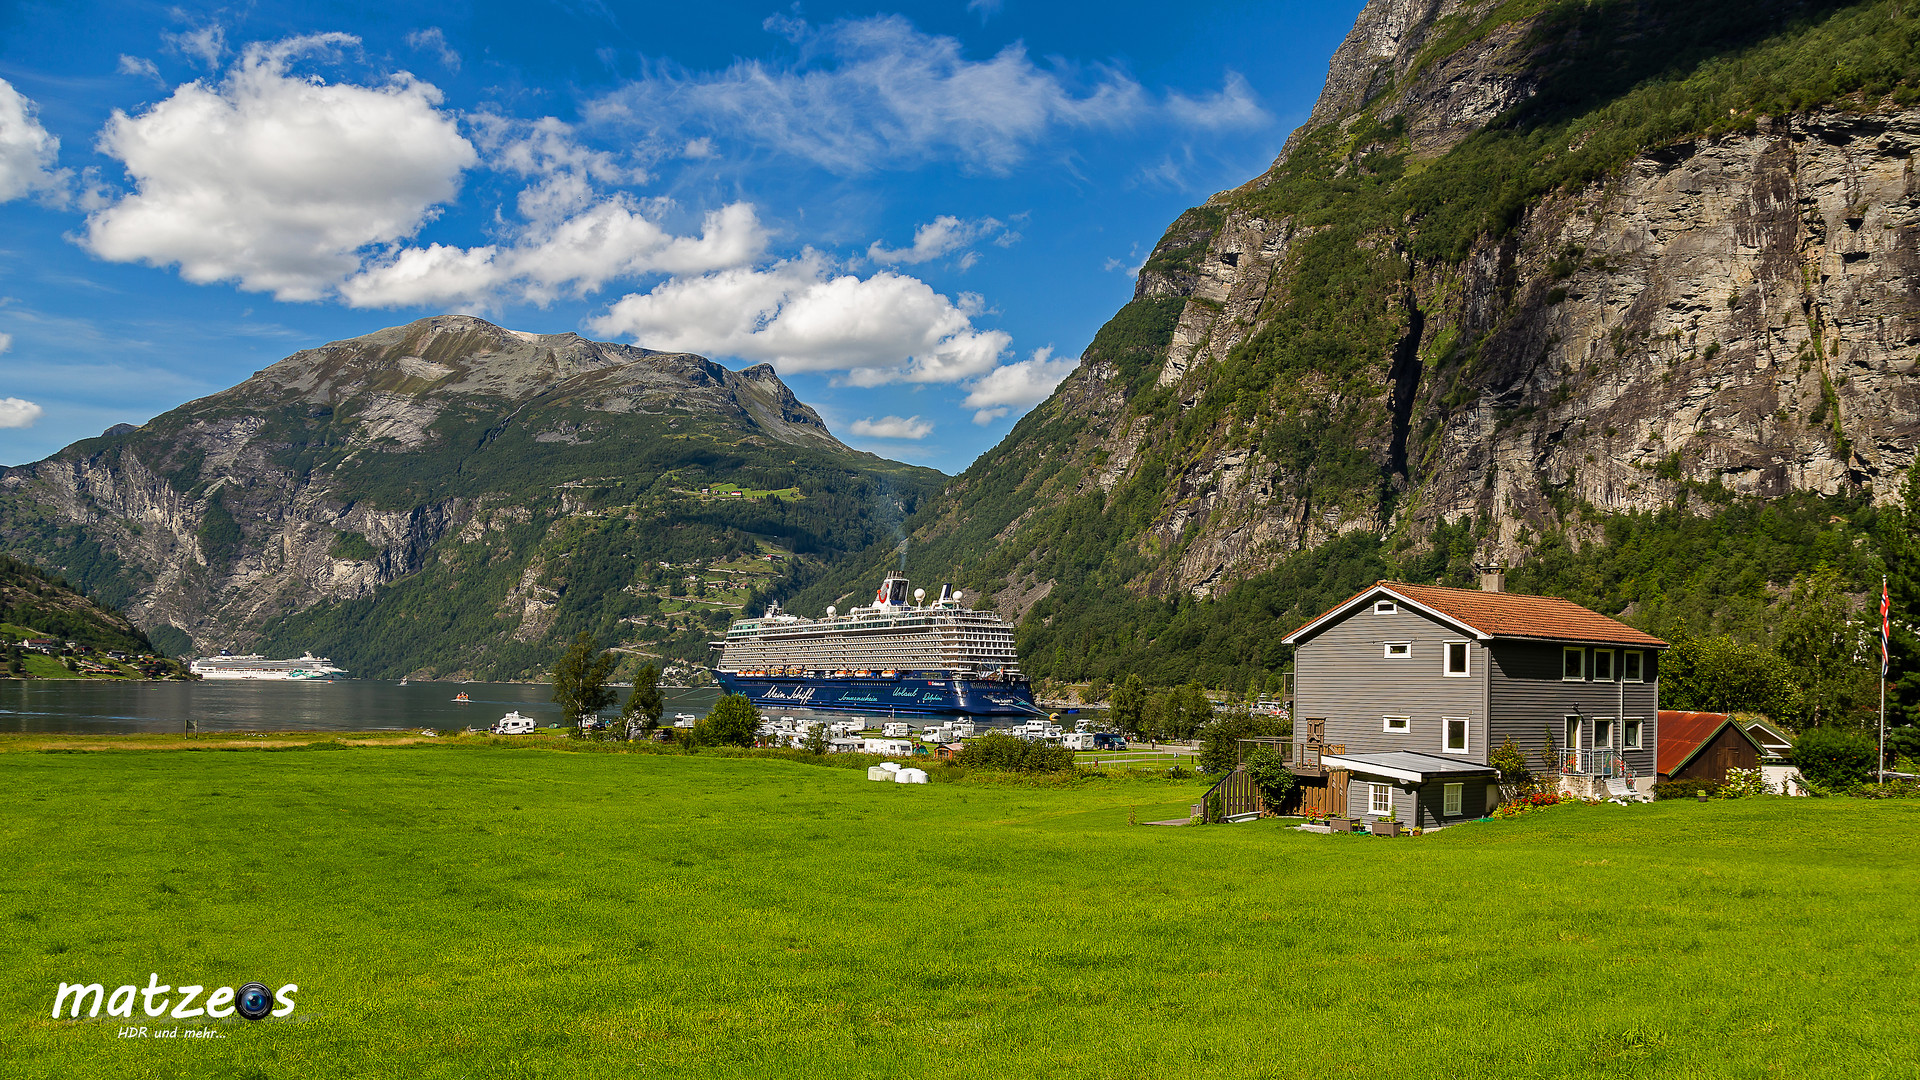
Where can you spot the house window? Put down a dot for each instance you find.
(1573, 733)
(1399, 724)
(1384, 607)
(1630, 734)
(1380, 799)
(1456, 659)
(1630, 666)
(1603, 665)
(1399, 650)
(1451, 800)
(1573, 664)
(1456, 740)
(1603, 734)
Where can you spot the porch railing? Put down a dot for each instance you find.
(1604, 763)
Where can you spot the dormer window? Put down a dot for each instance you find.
(1385, 607)
(1399, 650)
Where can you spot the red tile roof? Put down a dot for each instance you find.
(1494, 614)
(1682, 734)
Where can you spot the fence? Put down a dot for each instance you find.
(1605, 763)
(1151, 760)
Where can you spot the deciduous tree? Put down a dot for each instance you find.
(580, 680)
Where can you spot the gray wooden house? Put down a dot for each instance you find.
(1402, 693)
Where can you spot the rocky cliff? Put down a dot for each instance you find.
(1526, 265)
(341, 470)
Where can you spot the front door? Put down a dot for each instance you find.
(1571, 756)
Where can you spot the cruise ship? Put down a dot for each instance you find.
(899, 654)
(229, 666)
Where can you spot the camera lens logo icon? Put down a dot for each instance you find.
(254, 1001)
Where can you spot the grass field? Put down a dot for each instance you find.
(483, 912)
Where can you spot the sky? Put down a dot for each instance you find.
(919, 214)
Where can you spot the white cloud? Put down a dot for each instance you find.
(875, 93)
(1018, 385)
(18, 412)
(433, 40)
(575, 254)
(1234, 106)
(138, 65)
(801, 316)
(698, 149)
(986, 9)
(941, 236)
(27, 151)
(6, 342)
(207, 45)
(274, 180)
(892, 427)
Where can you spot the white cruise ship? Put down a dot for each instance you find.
(229, 666)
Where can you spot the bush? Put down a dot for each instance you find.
(1511, 762)
(732, 722)
(1270, 774)
(1685, 789)
(1744, 782)
(1834, 758)
(997, 750)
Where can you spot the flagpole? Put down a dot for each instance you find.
(1883, 678)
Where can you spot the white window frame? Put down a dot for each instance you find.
(1405, 653)
(1374, 798)
(1603, 724)
(1639, 665)
(1385, 607)
(1638, 727)
(1452, 800)
(1466, 734)
(1446, 659)
(1571, 732)
(1566, 651)
(1594, 664)
(1396, 725)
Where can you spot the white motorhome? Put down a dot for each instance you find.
(895, 730)
(1079, 740)
(890, 747)
(513, 724)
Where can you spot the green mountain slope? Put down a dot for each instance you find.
(450, 497)
(34, 603)
(1616, 293)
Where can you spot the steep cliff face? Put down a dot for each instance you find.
(340, 470)
(1527, 263)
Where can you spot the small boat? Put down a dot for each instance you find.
(462, 696)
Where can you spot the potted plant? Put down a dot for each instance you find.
(1386, 826)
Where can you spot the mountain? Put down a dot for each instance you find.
(34, 603)
(1534, 281)
(450, 497)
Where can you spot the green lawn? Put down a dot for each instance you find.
(473, 912)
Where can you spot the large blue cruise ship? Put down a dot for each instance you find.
(899, 654)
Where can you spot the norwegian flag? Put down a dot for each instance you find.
(1886, 628)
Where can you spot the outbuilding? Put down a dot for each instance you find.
(1703, 746)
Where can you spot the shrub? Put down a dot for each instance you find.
(1834, 758)
(1685, 789)
(1270, 774)
(732, 722)
(1741, 783)
(1511, 762)
(997, 750)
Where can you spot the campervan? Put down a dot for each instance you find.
(513, 724)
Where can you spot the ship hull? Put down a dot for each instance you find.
(903, 695)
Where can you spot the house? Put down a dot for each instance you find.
(1704, 745)
(1775, 745)
(1403, 692)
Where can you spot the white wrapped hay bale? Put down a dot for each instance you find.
(878, 772)
(910, 776)
(890, 766)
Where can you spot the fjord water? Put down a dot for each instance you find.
(63, 706)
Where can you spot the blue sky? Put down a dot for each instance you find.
(918, 213)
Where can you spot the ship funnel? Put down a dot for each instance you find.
(946, 593)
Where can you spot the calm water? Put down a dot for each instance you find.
(60, 706)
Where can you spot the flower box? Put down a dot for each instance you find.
(1384, 828)
(1341, 824)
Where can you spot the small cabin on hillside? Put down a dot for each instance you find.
(1403, 692)
(1704, 745)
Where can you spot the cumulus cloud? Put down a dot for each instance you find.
(941, 236)
(893, 427)
(873, 93)
(27, 151)
(1018, 385)
(1234, 106)
(274, 180)
(800, 315)
(18, 412)
(433, 40)
(575, 254)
